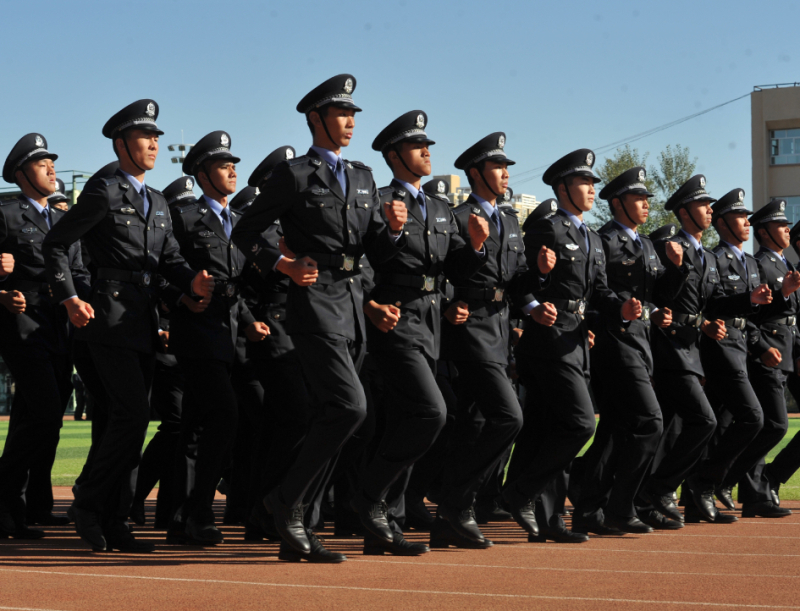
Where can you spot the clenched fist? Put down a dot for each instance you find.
(545, 314)
(13, 301)
(80, 312)
(632, 309)
(791, 282)
(772, 357)
(396, 214)
(761, 295)
(195, 306)
(591, 340)
(662, 317)
(478, 231)
(674, 253)
(6, 263)
(546, 260)
(303, 272)
(256, 331)
(715, 329)
(385, 317)
(457, 313)
(203, 284)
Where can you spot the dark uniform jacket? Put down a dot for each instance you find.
(332, 228)
(632, 272)
(266, 299)
(433, 248)
(776, 330)
(43, 328)
(123, 243)
(484, 336)
(578, 281)
(210, 334)
(677, 347)
(730, 354)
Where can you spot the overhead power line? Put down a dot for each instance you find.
(537, 172)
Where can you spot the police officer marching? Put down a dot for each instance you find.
(128, 232)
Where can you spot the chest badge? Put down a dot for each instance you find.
(128, 211)
(440, 219)
(159, 213)
(572, 247)
(362, 191)
(29, 229)
(734, 277)
(629, 262)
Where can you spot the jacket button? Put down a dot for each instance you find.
(277, 316)
(572, 258)
(348, 206)
(128, 222)
(148, 229)
(397, 304)
(673, 331)
(622, 329)
(116, 294)
(322, 205)
(429, 233)
(351, 281)
(629, 273)
(433, 302)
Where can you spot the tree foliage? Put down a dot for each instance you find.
(674, 167)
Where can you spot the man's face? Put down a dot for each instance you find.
(700, 215)
(223, 176)
(582, 192)
(778, 231)
(417, 157)
(496, 176)
(637, 207)
(340, 123)
(739, 225)
(61, 206)
(143, 147)
(42, 175)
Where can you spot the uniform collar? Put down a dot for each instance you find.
(692, 241)
(136, 184)
(487, 207)
(36, 205)
(633, 235)
(214, 205)
(575, 220)
(739, 254)
(327, 155)
(781, 257)
(412, 190)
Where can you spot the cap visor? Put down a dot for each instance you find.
(343, 104)
(500, 159)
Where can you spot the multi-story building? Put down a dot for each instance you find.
(522, 202)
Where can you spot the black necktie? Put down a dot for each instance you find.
(496, 221)
(46, 215)
(226, 222)
(700, 254)
(582, 229)
(421, 200)
(340, 175)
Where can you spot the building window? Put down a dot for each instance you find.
(792, 208)
(784, 146)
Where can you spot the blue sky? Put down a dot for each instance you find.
(553, 76)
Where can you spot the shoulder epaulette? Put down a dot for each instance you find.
(358, 164)
(8, 202)
(385, 190)
(110, 180)
(186, 208)
(462, 209)
(296, 160)
(149, 188)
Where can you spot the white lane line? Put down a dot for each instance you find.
(25, 609)
(721, 536)
(407, 591)
(572, 548)
(571, 570)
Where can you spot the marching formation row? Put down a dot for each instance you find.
(329, 349)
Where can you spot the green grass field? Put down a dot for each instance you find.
(76, 437)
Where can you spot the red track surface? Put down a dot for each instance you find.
(754, 563)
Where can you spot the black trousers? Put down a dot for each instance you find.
(161, 455)
(625, 442)
(210, 414)
(415, 413)
(769, 384)
(43, 386)
(559, 420)
(483, 389)
(731, 392)
(330, 366)
(680, 394)
(108, 486)
(787, 462)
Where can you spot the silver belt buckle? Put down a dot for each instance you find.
(791, 320)
(146, 279)
(230, 290)
(498, 294)
(645, 312)
(349, 263)
(430, 283)
(581, 307)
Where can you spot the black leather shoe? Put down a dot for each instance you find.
(203, 533)
(126, 543)
(137, 514)
(524, 515)
(24, 532)
(87, 525)
(626, 525)
(47, 519)
(7, 523)
(725, 496)
(177, 535)
(659, 521)
(463, 522)
(373, 516)
(288, 522)
(665, 504)
(703, 496)
(318, 554)
(559, 536)
(492, 512)
(595, 526)
(766, 509)
(774, 492)
(399, 547)
(417, 515)
(443, 536)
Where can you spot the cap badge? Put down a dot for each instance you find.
(39, 141)
(189, 184)
(501, 142)
(702, 182)
(783, 206)
(348, 86)
(289, 154)
(641, 175)
(590, 159)
(440, 187)
(224, 140)
(507, 195)
(420, 121)
(672, 231)
(258, 191)
(741, 196)
(553, 206)
(151, 110)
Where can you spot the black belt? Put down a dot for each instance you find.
(226, 288)
(143, 278)
(274, 298)
(574, 306)
(735, 323)
(788, 320)
(424, 283)
(343, 262)
(493, 294)
(29, 286)
(683, 318)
